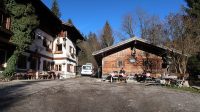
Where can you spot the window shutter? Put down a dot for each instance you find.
(123, 63)
(68, 67)
(74, 69)
(44, 65)
(70, 49)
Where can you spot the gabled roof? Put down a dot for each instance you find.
(73, 33)
(138, 43)
(49, 22)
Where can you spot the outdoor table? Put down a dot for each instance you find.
(118, 77)
(114, 77)
(43, 75)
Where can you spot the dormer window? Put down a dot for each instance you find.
(63, 34)
(59, 47)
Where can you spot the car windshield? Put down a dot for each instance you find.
(87, 67)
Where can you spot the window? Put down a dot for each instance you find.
(39, 37)
(58, 67)
(74, 51)
(44, 42)
(87, 67)
(33, 64)
(49, 45)
(46, 65)
(120, 63)
(70, 49)
(52, 65)
(59, 47)
(22, 62)
(2, 57)
(70, 68)
(63, 34)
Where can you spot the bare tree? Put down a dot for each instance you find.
(143, 22)
(179, 27)
(152, 29)
(129, 25)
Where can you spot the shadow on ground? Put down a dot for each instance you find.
(12, 92)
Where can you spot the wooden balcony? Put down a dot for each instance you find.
(5, 23)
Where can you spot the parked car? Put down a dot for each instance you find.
(87, 69)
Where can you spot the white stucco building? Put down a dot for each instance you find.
(54, 45)
(47, 53)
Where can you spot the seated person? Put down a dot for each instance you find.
(122, 72)
(122, 75)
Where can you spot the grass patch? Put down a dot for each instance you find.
(190, 89)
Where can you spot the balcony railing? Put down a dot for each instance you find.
(5, 23)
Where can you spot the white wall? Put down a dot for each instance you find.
(38, 44)
(66, 48)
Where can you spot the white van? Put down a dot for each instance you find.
(87, 69)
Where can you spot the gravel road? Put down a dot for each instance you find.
(86, 94)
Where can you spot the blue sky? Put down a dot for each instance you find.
(90, 15)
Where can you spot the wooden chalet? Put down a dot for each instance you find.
(135, 56)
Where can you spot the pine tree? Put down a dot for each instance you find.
(88, 47)
(107, 38)
(70, 21)
(55, 8)
(24, 21)
(194, 8)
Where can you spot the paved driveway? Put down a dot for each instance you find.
(90, 95)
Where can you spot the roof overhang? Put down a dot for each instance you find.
(49, 22)
(72, 32)
(138, 43)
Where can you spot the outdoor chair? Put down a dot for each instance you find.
(51, 75)
(31, 74)
(19, 76)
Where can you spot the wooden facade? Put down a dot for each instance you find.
(121, 59)
(135, 55)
